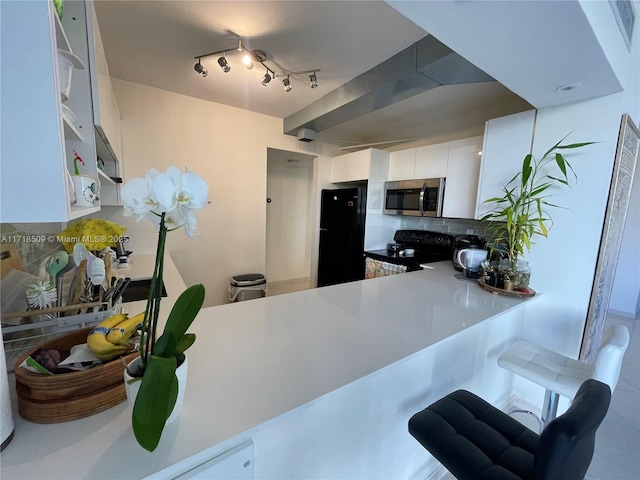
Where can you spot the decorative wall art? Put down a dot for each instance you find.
(617, 205)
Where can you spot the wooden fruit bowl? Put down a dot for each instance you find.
(69, 396)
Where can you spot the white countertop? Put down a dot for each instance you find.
(256, 360)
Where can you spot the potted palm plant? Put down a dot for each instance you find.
(521, 213)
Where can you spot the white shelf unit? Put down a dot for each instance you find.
(106, 114)
(37, 141)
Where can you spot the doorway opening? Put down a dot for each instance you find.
(290, 221)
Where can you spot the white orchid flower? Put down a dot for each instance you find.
(174, 193)
(173, 188)
(138, 197)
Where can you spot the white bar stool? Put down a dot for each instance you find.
(561, 375)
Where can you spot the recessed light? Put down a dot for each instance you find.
(567, 87)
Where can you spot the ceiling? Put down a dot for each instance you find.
(155, 43)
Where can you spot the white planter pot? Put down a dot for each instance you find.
(132, 388)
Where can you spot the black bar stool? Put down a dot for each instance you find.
(476, 441)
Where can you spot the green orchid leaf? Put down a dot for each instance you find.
(186, 341)
(185, 309)
(151, 408)
(166, 345)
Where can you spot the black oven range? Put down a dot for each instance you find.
(413, 248)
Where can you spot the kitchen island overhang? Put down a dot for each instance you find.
(322, 362)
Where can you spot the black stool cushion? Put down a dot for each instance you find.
(475, 440)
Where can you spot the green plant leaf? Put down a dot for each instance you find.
(151, 408)
(561, 164)
(186, 341)
(575, 145)
(185, 309)
(166, 345)
(526, 169)
(561, 180)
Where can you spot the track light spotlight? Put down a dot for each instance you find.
(247, 61)
(313, 80)
(224, 65)
(200, 69)
(266, 79)
(287, 85)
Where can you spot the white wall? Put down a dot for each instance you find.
(228, 147)
(289, 217)
(625, 300)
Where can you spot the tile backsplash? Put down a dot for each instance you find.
(34, 242)
(452, 226)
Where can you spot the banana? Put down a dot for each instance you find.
(113, 320)
(120, 334)
(101, 347)
(97, 338)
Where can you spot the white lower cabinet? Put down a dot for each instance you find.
(233, 464)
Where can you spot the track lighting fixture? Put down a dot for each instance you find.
(224, 65)
(200, 69)
(287, 84)
(249, 58)
(246, 60)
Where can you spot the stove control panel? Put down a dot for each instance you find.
(424, 237)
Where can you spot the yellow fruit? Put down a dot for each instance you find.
(113, 320)
(120, 334)
(101, 347)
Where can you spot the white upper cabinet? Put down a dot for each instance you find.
(423, 162)
(38, 141)
(402, 164)
(431, 161)
(506, 141)
(463, 168)
(457, 161)
(359, 166)
(106, 114)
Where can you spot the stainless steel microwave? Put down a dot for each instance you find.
(419, 198)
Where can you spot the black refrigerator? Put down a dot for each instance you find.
(342, 217)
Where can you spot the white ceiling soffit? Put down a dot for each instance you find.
(425, 65)
(534, 48)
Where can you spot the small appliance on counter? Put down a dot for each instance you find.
(462, 242)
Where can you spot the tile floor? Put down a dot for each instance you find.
(617, 452)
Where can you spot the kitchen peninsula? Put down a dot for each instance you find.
(320, 383)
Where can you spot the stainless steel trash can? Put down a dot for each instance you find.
(247, 287)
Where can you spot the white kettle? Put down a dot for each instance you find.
(471, 258)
